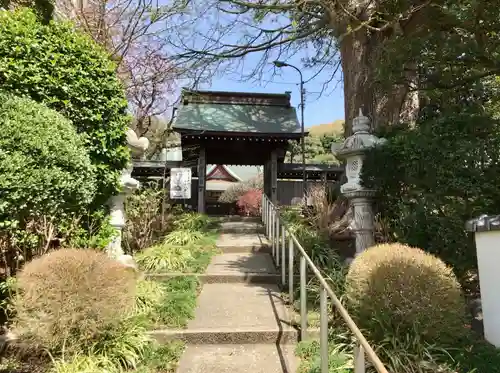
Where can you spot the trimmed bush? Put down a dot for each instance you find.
(47, 179)
(59, 66)
(250, 202)
(72, 298)
(393, 289)
(43, 162)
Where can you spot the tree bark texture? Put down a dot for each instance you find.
(384, 106)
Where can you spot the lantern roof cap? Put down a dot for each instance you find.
(360, 141)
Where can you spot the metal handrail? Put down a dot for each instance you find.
(278, 232)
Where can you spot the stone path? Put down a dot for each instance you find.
(241, 323)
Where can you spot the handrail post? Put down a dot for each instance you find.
(278, 249)
(264, 206)
(268, 227)
(303, 299)
(283, 256)
(323, 329)
(290, 269)
(359, 359)
(277, 229)
(273, 225)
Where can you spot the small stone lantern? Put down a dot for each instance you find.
(486, 231)
(353, 150)
(128, 185)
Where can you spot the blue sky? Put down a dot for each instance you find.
(214, 30)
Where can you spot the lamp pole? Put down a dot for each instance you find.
(302, 133)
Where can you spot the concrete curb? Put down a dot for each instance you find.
(256, 249)
(243, 230)
(238, 218)
(238, 336)
(233, 336)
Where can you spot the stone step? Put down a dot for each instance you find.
(222, 278)
(241, 263)
(246, 268)
(241, 227)
(243, 243)
(254, 358)
(237, 218)
(227, 336)
(237, 314)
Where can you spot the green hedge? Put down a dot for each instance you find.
(433, 177)
(56, 65)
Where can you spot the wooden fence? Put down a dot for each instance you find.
(289, 191)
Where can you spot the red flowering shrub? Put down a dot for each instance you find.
(249, 203)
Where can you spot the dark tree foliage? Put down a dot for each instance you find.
(433, 177)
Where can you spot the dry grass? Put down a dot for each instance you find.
(68, 297)
(399, 290)
(326, 216)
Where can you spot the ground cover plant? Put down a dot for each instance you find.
(85, 334)
(188, 248)
(169, 303)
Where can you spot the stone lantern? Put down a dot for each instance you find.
(353, 150)
(128, 185)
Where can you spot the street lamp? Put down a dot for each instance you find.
(281, 64)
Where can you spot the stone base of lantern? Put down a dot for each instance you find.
(115, 250)
(362, 224)
(118, 219)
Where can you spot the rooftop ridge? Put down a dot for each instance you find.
(242, 98)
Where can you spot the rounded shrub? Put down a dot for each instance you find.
(249, 204)
(71, 299)
(234, 192)
(59, 66)
(45, 168)
(396, 290)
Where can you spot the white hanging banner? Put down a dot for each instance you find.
(180, 183)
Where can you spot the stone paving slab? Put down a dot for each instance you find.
(243, 242)
(241, 263)
(241, 227)
(240, 306)
(241, 323)
(259, 358)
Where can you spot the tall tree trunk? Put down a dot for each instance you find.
(383, 106)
